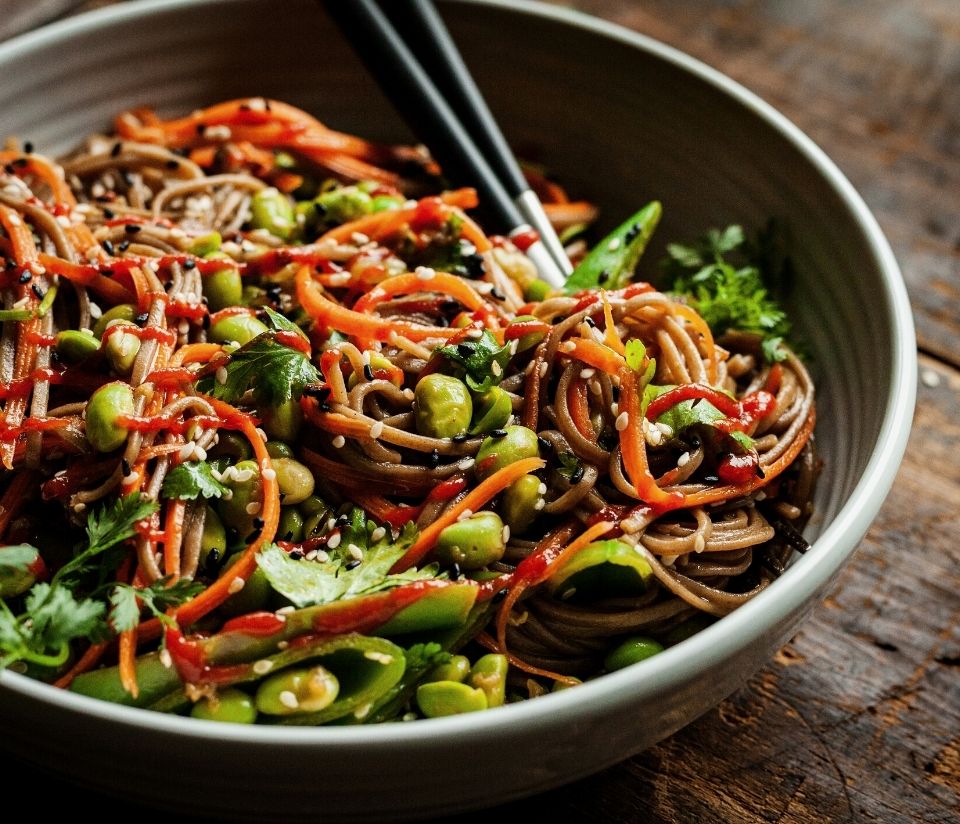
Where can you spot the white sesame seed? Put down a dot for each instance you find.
(269, 474)
(496, 368)
(542, 489)
(165, 658)
(377, 534)
(475, 334)
(505, 533)
(283, 644)
(288, 699)
(221, 375)
(409, 394)
(321, 557)
(668, 560)
(568, 593)
(262, 434)
(760, 496)
(331, 523)
(568, 346)
(360, 238)
(376, 430)
(236, 585)
(286, 610)
(930, 378)
(699, 544)
(339, 441)
(683, 460)
(409, 716)
(355, 552)
(543, 369)
(362, 712)
(217, 133)
(95, 311)
(13, 220)
(623, 420)
(595, 388)
(334, 541)
(587, 373)
(666, 429)
(131, 478)
(379, 657)
(614, 408)
(253, 507)
(540, 504)
(614, 244)
(425, 273)
(466, 464)
(263, 666)
(467, 513)
(311, 555)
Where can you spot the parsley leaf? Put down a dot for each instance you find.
(160, 596)
(106, 527)
(307, 583)
(16, 559)
(275, 372)
(421, 657)
(484, 360)
(190, 480)
(728, 280)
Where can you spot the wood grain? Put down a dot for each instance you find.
(857, 719)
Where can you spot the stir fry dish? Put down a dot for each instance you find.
(287, 438)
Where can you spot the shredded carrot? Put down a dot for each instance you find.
(90, 658)
(610, 336)
(44, 170)
(128, 661)
(701, 327)
(565, 215)
(594, 354)
(84, 275)
(455, 287)
(474, 501)
(196, 353)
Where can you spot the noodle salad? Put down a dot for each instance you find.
(286, 437)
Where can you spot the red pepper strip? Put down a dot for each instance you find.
(685, 392)
(518, 328)
(634, 449)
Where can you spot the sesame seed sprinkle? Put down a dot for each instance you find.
(376, 430)
(623, 420)
(339, 441)
(236, 585)
(288, 699)
(263, 666)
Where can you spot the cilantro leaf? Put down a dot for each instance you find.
(421, 657)
(279, 323)
(110, 525)
(689, 413)
(275, 372)
(728, 280)
(484, 360)
(307, 583)
(17, 558)
(52, 617)
(190, 480)
(160, 596)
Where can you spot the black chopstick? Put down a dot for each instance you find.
(390, 60)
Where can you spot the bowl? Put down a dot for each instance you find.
(621, 119)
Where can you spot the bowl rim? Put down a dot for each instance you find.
(675, 665)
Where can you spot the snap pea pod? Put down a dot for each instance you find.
(602, 569)
(611, 262)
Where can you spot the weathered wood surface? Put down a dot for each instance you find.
(857, 719)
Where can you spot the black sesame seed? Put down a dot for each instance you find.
(498, 433)
(288, 536)
(590, 322)
(125, 467)
(603, 277)
(141, 318)
(351, 564)
(632, 233)
(496, 293)
(132, 228)
(117, 148)
(108, 247)
(107, 273)
(109, 214)
(258, 523)
(499, 596)
(343, 520)
(213, 559)
(172, 164)
(38, 291)
(205, 322)
(577, 475)
(460, 438)
(21, 162)
(25, 276)
(544, 443)
(474, 265)
(201, 128)
(615, 391)
(434, 459)
(711, 479)
(189, 264)
(124, 245)
(317, 390)
(368, 372)
(296, 555)
(28, 147)
(455, 572)
(760, 472)
(10, 169)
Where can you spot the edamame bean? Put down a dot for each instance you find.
(223, 287)
(520, 502)
(272, 210)
(312, 505)
(472, 543)
(297, 691)
(456, 669)
(254, 596)
(294, 479)
(122, 311)
(20, 566)
(230, 706)
(637, 648)
(491, 411)
(279, 449)
(290, 527)
(120, 347)
(489, 674)
(246, 495)
(496, 453)
(440, 698)
(105, 406)
(75, 346)
(214, 536)
(241, 328)
(231, 445)
(536, 290)
(282, 422)
(443, 406)
(205, 244)
(343, 203)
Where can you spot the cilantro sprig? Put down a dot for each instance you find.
(191, 480)
(160, 596)
(483, 359)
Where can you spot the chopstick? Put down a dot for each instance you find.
(449, 115)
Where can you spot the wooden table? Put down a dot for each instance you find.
(858, 717)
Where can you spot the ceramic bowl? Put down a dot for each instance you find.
(620, 119)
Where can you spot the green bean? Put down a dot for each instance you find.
(443, 406)
(521, 503)
(630, 651)
(498, 452)
(489, 674)
(121, 347)
(239, 328)
(230, 705)
(105, 406)
(440, 698)
(473, 543)
(272, 210)
(75, 346)
(298, 690)
(294, 479)
(122, 311)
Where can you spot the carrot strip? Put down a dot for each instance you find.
(610, 336)
(44, 170)
(594, 354)
(564, 215)
(128, 661)
(357, 324)
(87, 661)
(474, 501)
(406, 284)
(701, 327)
(195, 353)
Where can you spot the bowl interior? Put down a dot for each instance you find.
(619, 120)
